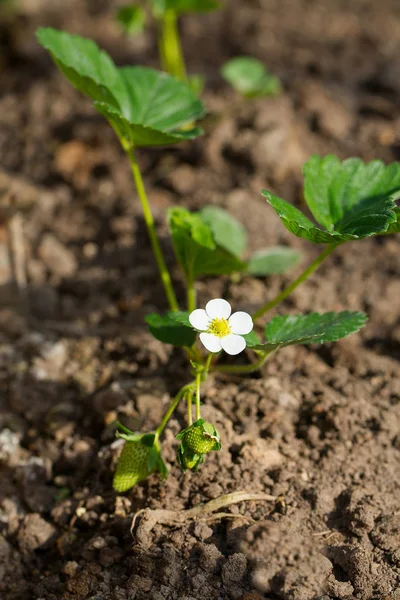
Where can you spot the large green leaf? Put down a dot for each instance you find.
(249, 77)
(184, 6)
(227, 231)
(169, 330)
(145, 106)
(314, 328)
(195, 248)
(350, 199)
(271, 261)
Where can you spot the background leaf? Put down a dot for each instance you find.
(168, 330)
(184, 6)
(252, 339)
(227, 231)
(270, 261)
(314, 328)
(145, 106)
(195, 247)
(249, 77)
(132, 18)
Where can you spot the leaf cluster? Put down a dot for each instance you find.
(212, 242)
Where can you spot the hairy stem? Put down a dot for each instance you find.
(170, 46)
(149, 220)
(191, 295)
(189, 397)
(242, 368)
(172, 407)
(198, 383)
(289, 289)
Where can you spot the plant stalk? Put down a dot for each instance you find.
(191, 295)
(172, 407)
(198, 383)
(170, 48)
(149, 220)
(189, 397)
(242, 368)
(289, 289)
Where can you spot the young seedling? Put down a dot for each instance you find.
(350, 200)
(250, 77)
(166, 14)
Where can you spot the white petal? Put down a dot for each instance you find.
(199, 319)
(211, 342)
(218, 309)
(241, 323)
(233, 344)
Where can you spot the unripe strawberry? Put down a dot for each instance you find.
(132, 466)
(196, 441)
(140, 457)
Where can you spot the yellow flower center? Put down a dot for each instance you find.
(219, 327)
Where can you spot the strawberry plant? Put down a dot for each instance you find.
(349, 201)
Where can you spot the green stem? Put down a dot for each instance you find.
(189, 397)
(171, 409)
(149, 220)
(198, 383)
(170, 46)
(191, 295)
(289, 289)
(242, 368)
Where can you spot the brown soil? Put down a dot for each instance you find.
(318, 428)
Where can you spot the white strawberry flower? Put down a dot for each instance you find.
(219, 329)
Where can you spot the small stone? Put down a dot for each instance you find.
(35, 533)
(58, 258)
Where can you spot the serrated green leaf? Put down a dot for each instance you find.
(166, 329)
(227, 231)
(351, 199)
(184, 6)
(145, 106)
(270, 261)
(314, 328)
(195, 248)
(132, 18)
(249, 77)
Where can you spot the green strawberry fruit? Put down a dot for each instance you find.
(131, 467)
(196, 441)
(140, 457)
